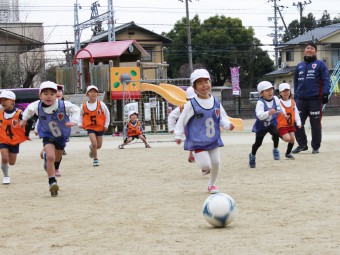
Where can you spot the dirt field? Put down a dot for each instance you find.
(149, 201)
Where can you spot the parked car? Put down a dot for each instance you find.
(253, 97)
(25, 96)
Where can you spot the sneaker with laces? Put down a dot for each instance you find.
(90, 153)
(95, 162)
(276, 154)
(299, 149)
(315, 151)
(212, 189)
(54, 189)
(6, 180)
(205, 171)
(252, 160)
(57, 173)
(290, 156)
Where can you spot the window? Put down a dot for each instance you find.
(335, 57)
(290, 55)
(149, 50)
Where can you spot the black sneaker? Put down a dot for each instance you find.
(315, 151)
(290, 156)
(299, 149)
(252, 161)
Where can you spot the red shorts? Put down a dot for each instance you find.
(286, 130)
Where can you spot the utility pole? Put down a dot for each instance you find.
(275, 40)
(301, 7)
(111, 23)
(191, 68)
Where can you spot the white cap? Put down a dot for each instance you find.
(91, 87)
(48, 85)
(132, 112)
(7, 94)
(199, 73)
(284, 86)
(190, 93)
(263, 85)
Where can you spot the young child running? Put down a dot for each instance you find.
(133, 130)
(11, 134)
(200, 121)
(95, 119)
(266, 112)
(286, 126)
(60, 94)
(54, 126)
(174, 115)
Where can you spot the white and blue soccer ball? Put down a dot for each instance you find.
(219, 210)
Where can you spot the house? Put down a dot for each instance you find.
(19, 41)
(292, 52)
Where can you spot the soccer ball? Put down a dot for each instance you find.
(219, 209)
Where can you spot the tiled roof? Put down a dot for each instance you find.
(317, 34)
(286, 70)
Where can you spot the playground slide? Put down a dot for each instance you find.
(168, 95)
(177, 98)
(180, 93)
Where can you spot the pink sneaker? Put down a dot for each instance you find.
(57, 173)
(212, 189)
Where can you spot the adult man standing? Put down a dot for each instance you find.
(311, 91)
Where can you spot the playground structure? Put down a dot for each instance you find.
(150, 98)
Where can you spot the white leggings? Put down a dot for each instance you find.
(209, 160)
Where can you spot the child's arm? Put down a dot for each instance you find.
(182, 121)
(297, 117)
(28, 126)
(107, 115)
(81, 114)
(225, 122)
(74, 111)
(172, 118)
(29, 112)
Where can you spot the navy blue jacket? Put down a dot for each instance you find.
(311, 80)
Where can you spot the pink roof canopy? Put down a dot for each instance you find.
(109, 49)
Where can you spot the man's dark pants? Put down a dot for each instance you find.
(312, 109)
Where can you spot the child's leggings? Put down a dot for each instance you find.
(260, 136)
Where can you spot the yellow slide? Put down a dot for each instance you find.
(176, 96)
(168, 95)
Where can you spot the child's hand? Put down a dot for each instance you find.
(80, 126)
(272, 111)
(231, 126)
(106, 128)
(69, 124)
(178, 141)
(299, 126)
(23, 123)
(36, 133)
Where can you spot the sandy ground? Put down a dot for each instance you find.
(149, 201)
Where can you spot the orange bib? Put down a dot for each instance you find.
(290, 111)
(10, 132)
(133, 129)
(94, 120)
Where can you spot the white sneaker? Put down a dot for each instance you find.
(6, 180)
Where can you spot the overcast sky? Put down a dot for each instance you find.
(160, 15)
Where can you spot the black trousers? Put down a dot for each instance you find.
(313, 110)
